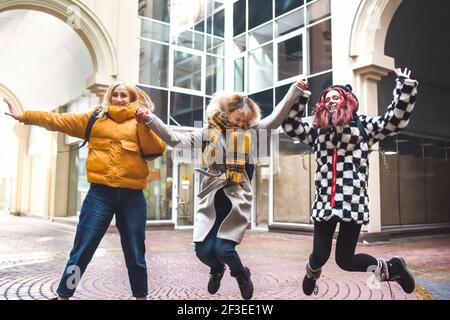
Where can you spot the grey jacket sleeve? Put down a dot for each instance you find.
(174, 139)
(274, 120)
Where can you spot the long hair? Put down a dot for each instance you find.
(344, 111)
(228, 103)
(136, 95)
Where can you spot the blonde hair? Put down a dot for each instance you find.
(136, 95)
(228, 103)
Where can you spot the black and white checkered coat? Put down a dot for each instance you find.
(352, 166)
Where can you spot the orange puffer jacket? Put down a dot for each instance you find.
(114, 157)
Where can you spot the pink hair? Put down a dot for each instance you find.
(344, 111)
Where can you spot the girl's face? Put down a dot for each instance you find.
(120, 96)
(332, 100)
(237, 119)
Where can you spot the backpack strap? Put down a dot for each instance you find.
(88, 131)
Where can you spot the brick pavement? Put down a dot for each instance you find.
(33, 253)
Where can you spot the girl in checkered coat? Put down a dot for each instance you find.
(342, 140)
(225, 198)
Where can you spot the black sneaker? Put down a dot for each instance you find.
(214, 281)
(399, 272)
(245, 284)
(309, 286)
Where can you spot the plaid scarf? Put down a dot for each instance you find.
(234, 151)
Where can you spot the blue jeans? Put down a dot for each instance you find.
(98, 209)
(214, 251)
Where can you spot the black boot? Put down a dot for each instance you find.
(396, 270)
(214, 281)
(245, 283)
(309, 281)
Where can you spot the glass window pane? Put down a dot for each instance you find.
(265, 101)
(283, 6)
(185, 39)
(260, 68)
(154, 62)
(318, 10)
(160, 100)
(155, 9)
(219, 24)
(290, 58)
(158, 193)
(239, 16)
(320, 50)
(215, 75)
(280, 92)
(239, 75)
(291, 22)
(260, 36)
(155, 30)
(240, 44)
(316, 85)
(200, 26)
(185, 109)
(259, 11)
(199, 41)
(187, 70)
(215, 45)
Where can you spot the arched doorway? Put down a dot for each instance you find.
(420, 158)
(54, 52)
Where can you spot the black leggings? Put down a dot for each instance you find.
(345, 246)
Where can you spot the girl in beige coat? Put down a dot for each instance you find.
(225, 198)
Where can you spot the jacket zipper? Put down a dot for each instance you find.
(333, 186)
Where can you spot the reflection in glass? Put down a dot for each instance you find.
(185, 109)
(154, 9)
(290, 58)
(260, 36)
(155, 30)
(187, 70)
(239, 75)
(240, 44)
(158, 193)
(154, 62)
(320, 49)
(317, 10)
(160, 100)
(283, 6)
(215, 75)
(291, 22)
(261, 68)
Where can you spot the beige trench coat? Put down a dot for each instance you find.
(234, 225)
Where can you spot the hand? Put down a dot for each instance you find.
(12, 111)
(302, 84)
(142, 114)
(406, 73)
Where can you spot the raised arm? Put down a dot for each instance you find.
(177, 140)
(73, 124)
(295, 127)
(297, 91)
(397, 115)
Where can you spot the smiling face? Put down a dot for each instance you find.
(237, 118)
(120, 96)
(332, 100)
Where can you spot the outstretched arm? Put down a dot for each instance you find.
(179, 140)
(298, 91)
(69, 123)
(397, 115)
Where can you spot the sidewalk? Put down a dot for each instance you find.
(33, 253)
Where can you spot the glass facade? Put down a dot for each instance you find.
(275, 42)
